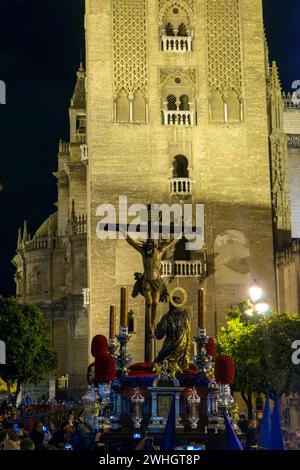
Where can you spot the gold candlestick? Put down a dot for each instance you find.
(124, 307)
(112, 322)
(201, 309)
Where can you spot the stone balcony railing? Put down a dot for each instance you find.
(184, 269)
(84, 153)
(181, 186)
(86, 297)
(64, 147)
(80, 138)
(78, 226)
(178, 118)
(291, 101)
(177, 43)
(294, 141)
(44, 243)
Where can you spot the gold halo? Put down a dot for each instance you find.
(183, 292)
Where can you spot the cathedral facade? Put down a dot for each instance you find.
(178, 104)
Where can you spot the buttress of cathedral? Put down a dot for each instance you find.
(51, 266)
(178, 104)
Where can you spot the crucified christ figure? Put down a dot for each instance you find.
(150, 284)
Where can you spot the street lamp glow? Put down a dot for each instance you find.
(262, 308)
(255, 292)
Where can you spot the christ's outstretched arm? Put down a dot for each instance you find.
(170, 244)
(132, 242)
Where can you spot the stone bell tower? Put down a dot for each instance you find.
(177, 112)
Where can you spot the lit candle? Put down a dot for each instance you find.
(112, 322)
(124, 307)
(201, 308)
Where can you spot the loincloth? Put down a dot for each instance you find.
(156, 285)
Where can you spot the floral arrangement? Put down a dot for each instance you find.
(211, 347)
(105, 367)
(224, 370)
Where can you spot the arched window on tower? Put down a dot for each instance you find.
(180, 183)
(172, 106)
(139, 107)
(182, 30)
(38, 281)
(81, 124)
(170, 29)
(122, 107)
(233, 105)
(178, 101)
(217, 107)
(184, 103)
(180, 167)
(176, 32)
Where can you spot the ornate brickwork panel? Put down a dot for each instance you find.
(189, 74)
(162, 3)
(224, 45)
(129, 43)
(186, 5)
(294, 141)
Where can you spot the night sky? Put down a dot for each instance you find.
(40, 49)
